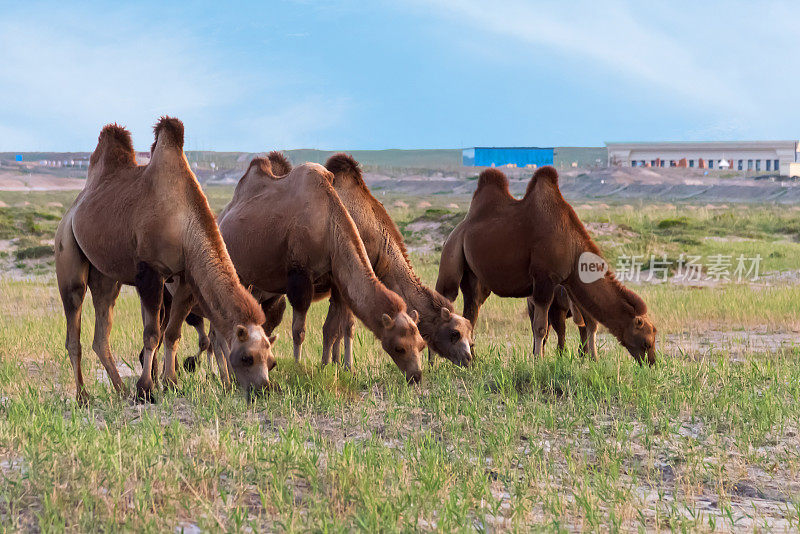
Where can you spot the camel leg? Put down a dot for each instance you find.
(542, 298)
(347, 328)
(182, 302)
(589, 337)
(104, 294)
(150, 286)
(330, 334)
(475, 294)
(203, 343)
(299, 290)
(273, 308)
(219, 355)
(339, 324)
(72, 271)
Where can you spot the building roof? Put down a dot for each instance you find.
(709, 145)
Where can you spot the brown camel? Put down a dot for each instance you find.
(140, 225)
(307, 238)
(524, 248)
(445, 332)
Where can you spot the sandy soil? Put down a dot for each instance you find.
(15, 181)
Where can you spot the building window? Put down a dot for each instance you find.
(758, 164)
(776, 166)
(749, 164)
(662, 162)
(642, 164)
(652, 163)
(633, 163)
(769, 164)
(672, 163)
(691, 163)
(741, 164)
(711, 164)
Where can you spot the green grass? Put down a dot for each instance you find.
(705, 440)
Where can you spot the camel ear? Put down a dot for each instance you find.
(387, 321)
(446, 314)
(638, 322)
(241, 333)
(414, 316)
(272, 339)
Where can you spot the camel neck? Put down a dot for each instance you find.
(353, 275)
(603, 300)
(417, 296)
(214, 279)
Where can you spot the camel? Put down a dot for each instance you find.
(525, 248)
(445, 332)
(306, 238)
(141, 225)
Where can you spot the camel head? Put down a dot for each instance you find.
(453, 338)
(401, 340)
(251, 357)
(639, 337)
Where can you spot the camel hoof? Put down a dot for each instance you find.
(144, 391)
(190, 364)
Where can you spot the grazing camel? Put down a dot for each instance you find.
(445, 332)
(525, 248)
(305, 239)
(140, 225)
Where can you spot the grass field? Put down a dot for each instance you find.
(706, 440)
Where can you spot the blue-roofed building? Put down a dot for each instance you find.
(502, 156)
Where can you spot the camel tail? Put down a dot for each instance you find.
(451, 266)
(168, 133)
(342, 163)
(114, 148)
(280, 164)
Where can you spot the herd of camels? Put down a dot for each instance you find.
(306, 233)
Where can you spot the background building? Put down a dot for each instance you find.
(501, 156)
(767, 157)
(560, 157)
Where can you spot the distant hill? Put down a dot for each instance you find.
(406, 159)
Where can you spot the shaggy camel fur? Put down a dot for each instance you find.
(524, 248)
(307, 238)
(445, 332)
(140, 225)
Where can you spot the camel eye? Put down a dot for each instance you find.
(455, 335)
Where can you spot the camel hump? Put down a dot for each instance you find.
(168, 132)
(114, 148)
(280, 164)
(544, 175)
(492, 177)
(342, 163)
(263, 165)
(547, 173)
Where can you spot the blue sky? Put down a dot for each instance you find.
(402, 74)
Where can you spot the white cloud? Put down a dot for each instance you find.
(72, 80)
(712, 56)
(66, 73)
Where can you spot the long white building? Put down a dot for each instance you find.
(764, 157)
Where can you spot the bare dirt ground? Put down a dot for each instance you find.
(16, 181)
